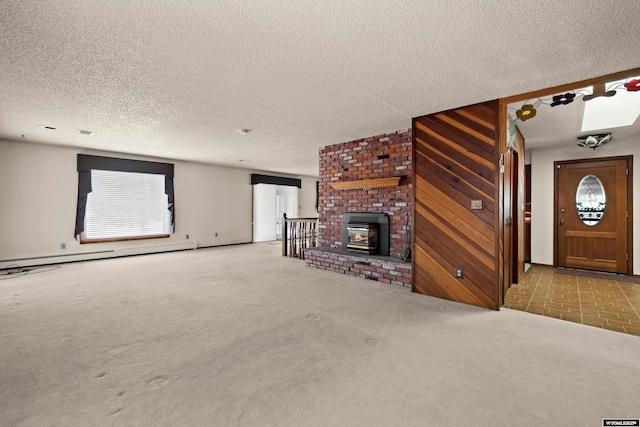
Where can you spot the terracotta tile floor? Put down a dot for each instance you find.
(608, 304)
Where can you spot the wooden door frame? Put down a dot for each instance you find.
(629, 160)
(510, 252)
(506, 233)
(516, 212)
(527, 201)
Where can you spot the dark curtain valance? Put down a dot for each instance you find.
(168, 190)
(86, 163)
(275, 180)
(84, 188)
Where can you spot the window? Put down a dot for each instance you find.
(125, 204)
(120, 199)
(590, 200)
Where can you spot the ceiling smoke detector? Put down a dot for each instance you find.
(85, 132)
(244, 131)
(47, 127)
(593, 141)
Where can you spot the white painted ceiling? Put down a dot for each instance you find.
(178, 79)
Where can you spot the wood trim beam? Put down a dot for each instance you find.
(571, 86)
(367, 183)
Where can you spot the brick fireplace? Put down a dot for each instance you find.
(370, 163)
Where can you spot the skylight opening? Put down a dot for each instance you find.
(616, 111)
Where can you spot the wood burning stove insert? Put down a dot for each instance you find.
(362, 237)
(373, 235)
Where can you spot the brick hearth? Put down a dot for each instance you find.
(376, 157)
(373, 267)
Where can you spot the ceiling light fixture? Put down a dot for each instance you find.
(593, 141)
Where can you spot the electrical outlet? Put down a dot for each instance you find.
(459, 273)
(476, 204)
(216, 234)
(63, 246)
(187, 237)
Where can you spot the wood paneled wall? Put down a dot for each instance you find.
(455, 161)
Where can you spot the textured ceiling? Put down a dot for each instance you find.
(178, 79)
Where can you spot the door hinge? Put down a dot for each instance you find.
(627, 171)
(627, 257)
(627, 214)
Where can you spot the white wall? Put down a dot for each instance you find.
(307, 198)
(542, 174)
(38, 194)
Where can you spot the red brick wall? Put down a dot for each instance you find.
(354, 160)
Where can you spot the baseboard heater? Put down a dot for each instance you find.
(87, 256)
(141, 250)
(33, 258)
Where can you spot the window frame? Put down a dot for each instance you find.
(86, 163)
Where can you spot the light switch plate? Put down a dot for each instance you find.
(476, 205)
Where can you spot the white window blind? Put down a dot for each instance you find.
(126, 204)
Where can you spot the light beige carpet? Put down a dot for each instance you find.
(242, 336)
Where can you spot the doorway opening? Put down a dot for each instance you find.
(270, 203)
(554, 125)
(578, 209)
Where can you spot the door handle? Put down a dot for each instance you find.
(561, 221)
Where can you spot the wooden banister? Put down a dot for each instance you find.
(297, 235)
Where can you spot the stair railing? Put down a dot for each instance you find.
(297, 235)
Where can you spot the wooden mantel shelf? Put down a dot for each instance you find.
(393, 181)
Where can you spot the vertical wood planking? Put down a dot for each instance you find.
(455, 160)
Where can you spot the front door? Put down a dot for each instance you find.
(591, 214)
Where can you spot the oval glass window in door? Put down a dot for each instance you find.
(590, 200)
